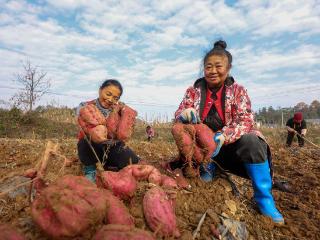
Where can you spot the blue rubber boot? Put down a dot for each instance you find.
(90, 172)
(207, 171)
(262, 183)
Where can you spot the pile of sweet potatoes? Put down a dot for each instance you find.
(72, 204)
(120, 122)
(195, 142)
(159, 207)
(93, 123)
(118, 125)
(123, 184)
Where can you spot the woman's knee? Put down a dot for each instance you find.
(252, 149)
(250, 139)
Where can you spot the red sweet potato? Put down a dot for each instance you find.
(98, 134)
(126, 123)
(9, 233)
(121, 232)
(183, 135)
(155, 177)
(90, 115)
(30, 173)
(168, 182)
(122, 184)
(117, 212)
(159, 213)
(140, 172)
(65, 208)
(112, 122)
(198, 155)
(204, 138)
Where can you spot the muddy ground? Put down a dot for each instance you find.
(299, 167)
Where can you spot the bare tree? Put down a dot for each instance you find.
(34, 86)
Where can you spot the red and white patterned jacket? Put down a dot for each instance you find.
(239, 118)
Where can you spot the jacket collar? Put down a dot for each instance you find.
(202, 84)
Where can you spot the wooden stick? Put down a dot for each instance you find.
(304, 138)
(44, 161)
(194, 234)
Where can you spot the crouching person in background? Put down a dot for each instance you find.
(150, 133)
(105, 124)
(219, 102)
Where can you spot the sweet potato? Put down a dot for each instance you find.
(155, 177)
(8, 233)
(98, 134)
(204, 138)
(126, 123)
(198, 155)
(159, 213)
(183, 135)
(121, 232)
(30, 173)
(122, 185)
(64, 208)
(140, 172)
(117, 212)
(168, 182)
(112, 122)
(89, 115)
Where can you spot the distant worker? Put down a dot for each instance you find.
(296, 125)
(150, 133)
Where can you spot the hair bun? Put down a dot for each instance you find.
(220, 44)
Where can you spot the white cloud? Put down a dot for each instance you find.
(67, 4)
(279, 17)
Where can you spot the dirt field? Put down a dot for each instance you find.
(299, 167)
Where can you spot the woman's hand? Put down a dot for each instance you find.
(189, 115)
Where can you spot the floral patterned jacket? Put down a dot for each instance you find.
(239, 118)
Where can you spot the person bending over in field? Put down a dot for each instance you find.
(296, 125)
(105, 123)
(219, 102)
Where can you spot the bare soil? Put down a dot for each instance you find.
(299, 167)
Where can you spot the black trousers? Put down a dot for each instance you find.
(291, 136)
(114, 157)
(248, 149)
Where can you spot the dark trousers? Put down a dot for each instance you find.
(114, 157)
(290, 139)
(248, 149)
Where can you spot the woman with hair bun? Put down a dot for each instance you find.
(222, 104)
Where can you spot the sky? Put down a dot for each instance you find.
(155, 48)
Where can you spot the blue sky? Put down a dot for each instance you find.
(155, 48)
